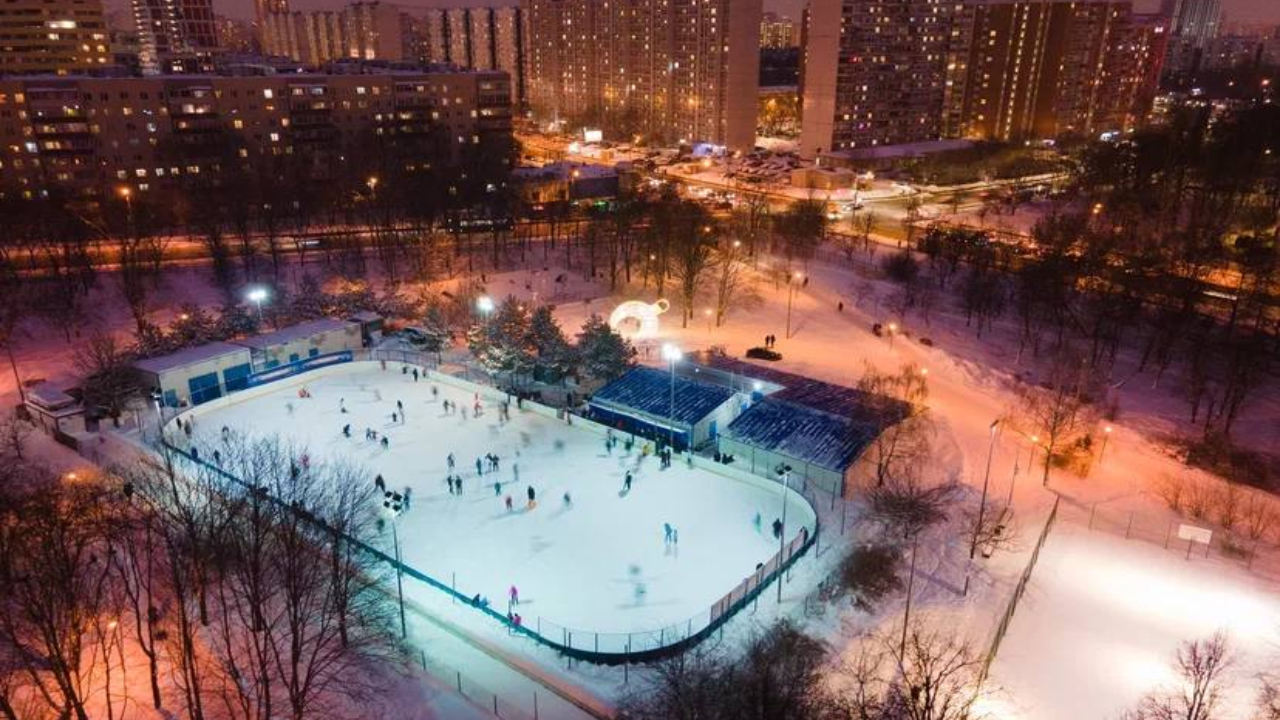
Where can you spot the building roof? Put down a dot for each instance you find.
(802, 433)
(293, 333)
(648, 391)
(190, 356)
(860, 407)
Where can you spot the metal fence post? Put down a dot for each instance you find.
(1092, 511)
(459, 673)
(1128, 529)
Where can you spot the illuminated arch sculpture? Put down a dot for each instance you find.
(645, 314)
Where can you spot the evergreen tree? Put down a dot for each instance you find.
(501, 343)
(311, 302)
(436, 328)
(192, 327)
(553, 355)
(605, 355)
(235, 320)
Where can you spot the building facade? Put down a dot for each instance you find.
(92, 136)
(1044, 69)
(53, 37)
(669, 70)
(778, 32)
(874, 73)
(468, 38)
(175, 36)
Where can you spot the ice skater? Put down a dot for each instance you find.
(395, 419)
(457, 480)
(513, 596)
(568, 501)
(479, 467)
(626, 482)
(497, 488)
(509, 503)
(377, 395)
(379, 483)
(346, 430)
(777, 528)
(451, 461)
(408, 497)
(666, 533)
(757, 522)
(400, 407)
(449, 479)
(435, 393)
(415, 374)
(288, 407)
(385, 442)
(533, 497)
(342, 405)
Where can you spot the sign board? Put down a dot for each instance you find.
(1195, 534)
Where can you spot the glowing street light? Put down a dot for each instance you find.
(394, 505)
(672, 355)
(257, 296)
(893, 330)
(1106, 435)
(485, 305)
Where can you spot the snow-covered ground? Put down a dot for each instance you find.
(1102, 618)
(598, 564)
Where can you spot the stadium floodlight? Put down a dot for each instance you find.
(257, 296)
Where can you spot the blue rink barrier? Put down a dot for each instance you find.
(579, 644)
(283, 372)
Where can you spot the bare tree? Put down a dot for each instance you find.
(924, 674)
(1060, 412)
(898, 402)
(1201, 667)
(730, 276)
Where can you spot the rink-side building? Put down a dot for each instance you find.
(643, 403)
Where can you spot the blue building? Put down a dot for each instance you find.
(641, 402)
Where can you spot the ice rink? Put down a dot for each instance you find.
(598, 564)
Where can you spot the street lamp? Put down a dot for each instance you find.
(671, 354)
(393, 506)
(257, 296)
(707, 312)
(893, 330)
(791, 293)
(785, 471)
(485, 305)
(1106, 435)
(986, 480)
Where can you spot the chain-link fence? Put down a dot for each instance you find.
(1006, 618)
(1241, 545)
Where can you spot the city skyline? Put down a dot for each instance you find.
(1236, 10)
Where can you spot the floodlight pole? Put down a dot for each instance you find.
(782, 536)
(986, 480)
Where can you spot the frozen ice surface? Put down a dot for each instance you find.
(598, 564)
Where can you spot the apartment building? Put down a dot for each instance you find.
(1044, 69)
(469, 38)
(53, 36)
(874, 73)
(175, 36)
(778, 32)
(89, 136)
(669, 70)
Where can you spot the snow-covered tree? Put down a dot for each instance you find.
(235, 320)
(109, 380)
(501, 342)
(604, 354)
(554, 356)
(310, 302)
(436, 328)
(193, 326)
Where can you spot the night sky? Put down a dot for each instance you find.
(1237, 10)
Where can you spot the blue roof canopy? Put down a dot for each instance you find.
(803, 433)
(648, 391)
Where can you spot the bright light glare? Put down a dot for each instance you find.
(257, 295)
(485, 304)
(671, 352)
